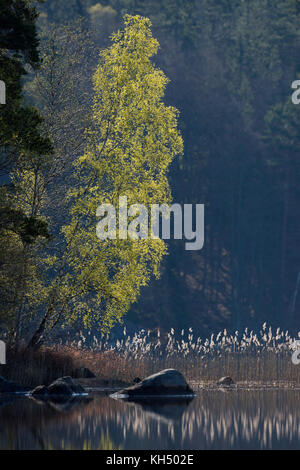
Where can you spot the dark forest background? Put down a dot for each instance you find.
(231, 64)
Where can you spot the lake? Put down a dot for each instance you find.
(215, 419)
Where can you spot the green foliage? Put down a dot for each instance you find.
(31, 222)
(129, 148)
(22, 146)
(19, 125)
(231, 64)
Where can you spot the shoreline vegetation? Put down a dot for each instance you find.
(252, 360)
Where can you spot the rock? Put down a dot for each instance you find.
(225, 381)
(65, 386)
(165, 382)
(75, 387)
(136, 380)
(6, 386)
(40, 391)
(59, 388)
(83, 373)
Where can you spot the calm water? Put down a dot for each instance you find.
(212, 420)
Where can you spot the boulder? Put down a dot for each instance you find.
(83, 373)
(40, 391)
(65, 386)
(165, 382)
(6, 386)
(59, 387)
(62, 387)
(225, 381)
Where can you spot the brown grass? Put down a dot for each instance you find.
(248, 358)
(268, 367)
(31, 368)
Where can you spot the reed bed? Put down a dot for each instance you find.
(265, 356)
(32, 368)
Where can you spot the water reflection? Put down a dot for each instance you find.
(213, 420)
(167, 410)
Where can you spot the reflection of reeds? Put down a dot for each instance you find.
(265, 356)
(213, 420)
(31, 424)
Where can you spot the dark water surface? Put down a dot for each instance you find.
(212, 420)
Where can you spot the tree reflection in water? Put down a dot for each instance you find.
(213, 420)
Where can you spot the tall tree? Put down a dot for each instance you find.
(129, 150)
(21, 146)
